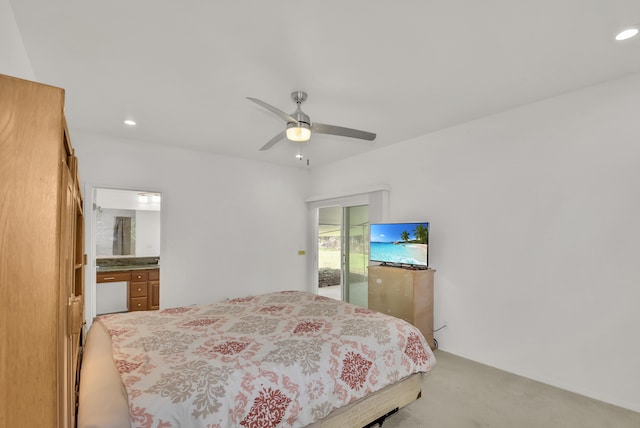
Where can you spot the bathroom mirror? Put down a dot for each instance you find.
(127, 223)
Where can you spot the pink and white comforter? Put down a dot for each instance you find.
(279, 359)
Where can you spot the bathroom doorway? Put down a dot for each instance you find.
(124, 237)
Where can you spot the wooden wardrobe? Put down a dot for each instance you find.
(41, 259)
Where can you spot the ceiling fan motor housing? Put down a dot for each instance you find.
(299, 115)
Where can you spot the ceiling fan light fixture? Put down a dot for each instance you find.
(298, 132)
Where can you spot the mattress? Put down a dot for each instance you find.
(110, 389)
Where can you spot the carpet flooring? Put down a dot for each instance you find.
(460, 393)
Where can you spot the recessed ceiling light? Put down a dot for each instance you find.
(627, 34)
(130, 122)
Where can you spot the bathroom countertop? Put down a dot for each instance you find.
(124, 264)
(100, 269)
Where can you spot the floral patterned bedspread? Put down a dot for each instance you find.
(282, 359)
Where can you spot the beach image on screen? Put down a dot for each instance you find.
(400, 243)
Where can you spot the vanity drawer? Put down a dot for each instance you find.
(139, 276)
(138, 304)
(137, 289)
(113, 276)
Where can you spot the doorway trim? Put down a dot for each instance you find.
(376, 197)
(90, 241)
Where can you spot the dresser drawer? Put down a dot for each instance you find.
(137, 289)
(139, 276)
(113, 276)
(137, 304)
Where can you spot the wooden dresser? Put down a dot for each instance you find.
(41, 259)
(404, 293)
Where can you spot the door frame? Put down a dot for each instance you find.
(90, 241)
(377, 198)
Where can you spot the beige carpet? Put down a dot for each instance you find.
(460, 393)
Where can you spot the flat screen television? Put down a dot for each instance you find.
(400, 243)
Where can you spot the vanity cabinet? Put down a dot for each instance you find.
(143, 287)
(41, 259)
(154, 289)
(114, 277)
(139, 291)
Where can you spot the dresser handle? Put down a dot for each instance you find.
(108, 278)
(139, 289)
(139, 304)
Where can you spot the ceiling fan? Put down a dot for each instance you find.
(300, 127)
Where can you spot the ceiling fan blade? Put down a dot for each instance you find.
(287, 118)
(322, 128)
(273, 141)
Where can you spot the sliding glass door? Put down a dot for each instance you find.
(343, 253)
(356, 254)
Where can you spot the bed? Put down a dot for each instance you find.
(283, 359)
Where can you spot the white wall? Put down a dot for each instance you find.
(148, 233)
(13, 56)
(535, 235)
(230, 227)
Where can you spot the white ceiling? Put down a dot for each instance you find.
(182, 69)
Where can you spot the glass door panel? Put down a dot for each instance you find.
(356, 254)
(330, 252)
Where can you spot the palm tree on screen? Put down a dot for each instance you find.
(421, 232)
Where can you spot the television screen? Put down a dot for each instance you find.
(400, 243)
